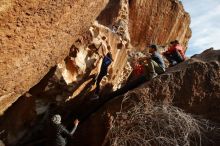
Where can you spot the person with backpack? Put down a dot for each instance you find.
(107, 60)
(57, 133)
(175, 53)
(155, 64)
(138, 70)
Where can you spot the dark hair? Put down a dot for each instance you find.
(153, 47)
(174, 42)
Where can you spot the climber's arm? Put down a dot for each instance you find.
(64, 131)
(103, 52)
(76, 122)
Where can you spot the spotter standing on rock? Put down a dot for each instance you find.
(175, 53)
(155, 63)
(57, 133)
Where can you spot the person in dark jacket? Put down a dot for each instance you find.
(58, 133)
(156, 63)
(107, 60)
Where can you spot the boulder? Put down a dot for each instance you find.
(193, 86)
(36, 35)
(151, 21)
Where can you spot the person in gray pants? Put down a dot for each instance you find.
(156, 63)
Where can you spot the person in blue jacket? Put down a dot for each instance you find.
(107, 60)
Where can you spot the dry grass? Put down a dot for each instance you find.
(148, 124)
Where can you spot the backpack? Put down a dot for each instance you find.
(138, 70)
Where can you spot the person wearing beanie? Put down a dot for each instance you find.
(57, 133)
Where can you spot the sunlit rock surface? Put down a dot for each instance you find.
(36, 35)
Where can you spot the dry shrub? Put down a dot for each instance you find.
(150, 124)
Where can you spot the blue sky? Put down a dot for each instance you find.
(205, 24)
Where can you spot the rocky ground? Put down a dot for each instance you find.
(193, 86)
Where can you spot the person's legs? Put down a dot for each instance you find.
(170, 59)
(177, 57)
(99, 79)
(157, 68)
(151, 73)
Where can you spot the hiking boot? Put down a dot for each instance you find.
(95, 97)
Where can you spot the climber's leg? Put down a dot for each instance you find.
(99, 79)
(170, 58)
(177, 57)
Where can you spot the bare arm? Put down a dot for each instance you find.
(76, 122)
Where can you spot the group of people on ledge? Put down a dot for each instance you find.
(153, 65)
(150, 67)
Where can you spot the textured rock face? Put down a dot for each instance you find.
(36, 35)
(124, 26)
(158, 22)
(193, 85)
(85, 58)
(86, 62)
(18, 117)
(152, 21)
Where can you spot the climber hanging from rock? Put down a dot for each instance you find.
(107, 60)
(175, 53)
(57, 133)
(155, 63)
